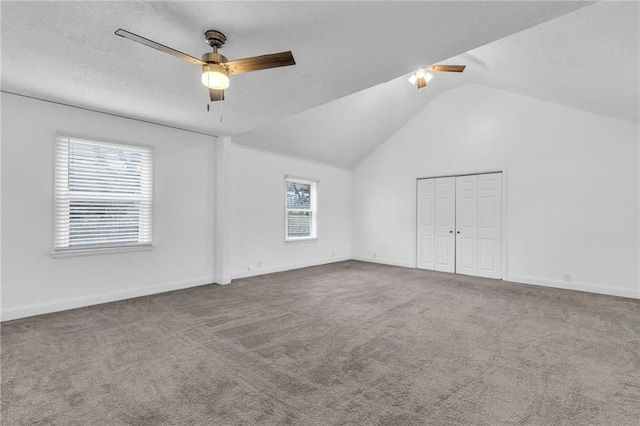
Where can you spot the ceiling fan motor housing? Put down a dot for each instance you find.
(215, 38)
(214, 58)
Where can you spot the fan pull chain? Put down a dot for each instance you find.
(221, 115)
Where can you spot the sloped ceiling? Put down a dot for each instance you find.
(345, 131)
(587, 59)
(67, 52)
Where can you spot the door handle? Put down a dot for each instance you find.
(458, 232)
(451, 232)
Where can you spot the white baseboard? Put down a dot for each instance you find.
(286, 267)
(525, 279)
(12, 313)
(223, 280)
(579, 286)
(16, 312)
(401, 263)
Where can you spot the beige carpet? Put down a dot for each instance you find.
(344, 344)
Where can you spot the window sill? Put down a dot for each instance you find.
(300, 240)
(101, 250)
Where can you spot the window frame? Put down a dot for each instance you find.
(85, 250)
(313, 209)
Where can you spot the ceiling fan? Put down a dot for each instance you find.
(421, 77)
(215, 67)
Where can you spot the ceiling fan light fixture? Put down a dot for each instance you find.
(421, 77)
(421, 74)
(215, 76)
(215, 67)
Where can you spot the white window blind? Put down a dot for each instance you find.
(103, 195)
(301, 209)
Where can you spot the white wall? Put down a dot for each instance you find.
(32, 281)
(573, 200)
(572, 186)
(257, 212)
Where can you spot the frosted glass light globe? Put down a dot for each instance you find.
(215, 76)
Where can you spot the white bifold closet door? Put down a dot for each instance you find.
(467, 225)
(490, 225)
(460, 224)
(445, 248)
(426, 223)
(436, 224)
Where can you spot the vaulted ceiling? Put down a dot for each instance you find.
(67, 52)
(348, 91)
(587, 59)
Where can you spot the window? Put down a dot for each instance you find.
(103, 196)
(300, 204)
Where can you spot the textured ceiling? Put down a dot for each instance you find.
(587, 59)
(345, 131)
(67, 52)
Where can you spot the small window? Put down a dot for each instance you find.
(103, 196)
(301, 205)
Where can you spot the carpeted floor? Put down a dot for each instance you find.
(344, 344)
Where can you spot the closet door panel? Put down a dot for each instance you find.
(467, 225)
(426, 224)
(445, 224)
(490, 225)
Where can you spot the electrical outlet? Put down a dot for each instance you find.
(567, 278)
(375, 255)
(259, 263)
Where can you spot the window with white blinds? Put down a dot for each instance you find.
(103, 195)
(301, 209)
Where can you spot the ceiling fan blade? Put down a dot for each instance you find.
(257, 63)
(422, 82)
(216, 95)
(158, 46)
(448, 68)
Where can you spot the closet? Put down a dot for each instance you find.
(459, 224)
